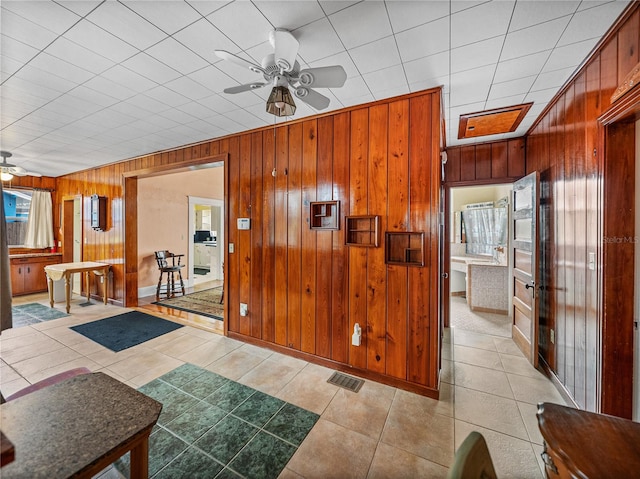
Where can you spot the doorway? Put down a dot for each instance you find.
(206, 237)
(72, 235)
(479, 287)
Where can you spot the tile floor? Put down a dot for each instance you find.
(379, 432)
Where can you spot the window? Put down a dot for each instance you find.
(16, 211)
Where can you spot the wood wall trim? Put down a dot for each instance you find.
(189, 165)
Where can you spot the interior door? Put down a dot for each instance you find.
(524, 249)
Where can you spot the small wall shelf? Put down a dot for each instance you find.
(362, 231)
(405, 248)
(99, 212)
(324, 215)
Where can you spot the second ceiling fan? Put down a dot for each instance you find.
(281, 70)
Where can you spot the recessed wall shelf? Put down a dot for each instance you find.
(405, 248)
(324, 215)
(362, 230)
(99, 212)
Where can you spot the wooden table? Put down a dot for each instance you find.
(581, 444)
(56, 272)
(77, 427)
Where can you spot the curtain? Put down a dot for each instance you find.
(39, 233)
(485, 229)
(6, 320)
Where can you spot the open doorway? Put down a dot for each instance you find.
(480, 295)
(206, 235)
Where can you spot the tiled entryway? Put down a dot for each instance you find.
(379, 432)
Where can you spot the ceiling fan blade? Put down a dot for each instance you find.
(312, 98)
(323, 77)
(225, 55)
(243, 88)
(285, 48)
(18, 171)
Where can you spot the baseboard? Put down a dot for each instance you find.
(146, 291)
(458, 293)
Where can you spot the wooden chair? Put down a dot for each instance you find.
(167, 264)
(472, 460)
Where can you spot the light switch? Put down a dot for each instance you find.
(232, 248)
(592, 261)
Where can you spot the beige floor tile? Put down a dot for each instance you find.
(512, 457)
(211, 350)
(446, 373)
(289, 474)
(478, 357)
(413, 426)
(447, 351)
(32, 366)
(365, 411)
(179, 345)
(26, 347)
(235, 364)
(537, 451)
(106, 357)
(483, 379)
(333, 451)
(87, 347)
(446, 401)
(270, 376)
(64, 335)
(309, 389)
(201, 333)
(8, 374)
(390, 462)
(256, 351)
(162, 367)
(533, 390)
(490, 411)
(528, 413)
(521, 366)
(138, 364)
(473, 340)
(167, 339)
(79, 362)
(507, 346)
(10, 387)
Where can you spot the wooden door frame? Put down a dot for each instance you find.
(130, 193)
(64, 223)
(617, 166)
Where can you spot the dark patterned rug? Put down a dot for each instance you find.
(206, 303)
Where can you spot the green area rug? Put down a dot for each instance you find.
(206, 303)
(213, 427)
(33, 313)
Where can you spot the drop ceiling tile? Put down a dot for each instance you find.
(111, 88)
(81, 8)
(108, 119)
(342, 59)
(591, 23)
(27, 32)
(213, 79)
(78, 55)
(424, 40)
(521, 67)
(244, 99)
(527, 14)
(147, 103)
(521, 86)
(554, 79)
(245, 118)
(569, 55)
(92, 96)
(167, 96)
(533, 39)
(205, 7)
(486, 52)
(15, 49)
(504, 102)
(129, 78)
(101, 42)
(386, 79)
(427, 67)
(240, 74)
(390, 92)
(196, 110)
(357, 100)
(362, 23)
(405, 15)
(77, 107)
(133, 111)
(27, 91)
(289, 15)
(480, 22)
(73, 75)
(8, 66)
(151, 68)
(471, 86)
(333, 6)
(353, 88)
(167, 16)
(177, 56)
(125, 24)
(218, 103)
(49, 15)
(541, 96)
(255, 28)
(191, 37)
(376, 55)
(318, 40)
(188, 88)
(429, 83)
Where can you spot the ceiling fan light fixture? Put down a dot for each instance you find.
(6, 176)
(280, 102)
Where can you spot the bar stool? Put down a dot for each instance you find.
(171, 268)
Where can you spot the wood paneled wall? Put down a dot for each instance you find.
(305, 289)
(493, 162)
(589, 310)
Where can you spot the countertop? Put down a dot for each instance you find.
(67, 428)
(474, 260)
(33, 255)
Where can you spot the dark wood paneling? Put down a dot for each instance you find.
(467, 163)
(281, 228)
(295, 212)
(268, 237)
(257, 247)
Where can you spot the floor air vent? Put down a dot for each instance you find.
(347, 382)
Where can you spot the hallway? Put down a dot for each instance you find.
(381, 431)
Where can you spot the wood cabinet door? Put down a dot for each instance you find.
(17, 279)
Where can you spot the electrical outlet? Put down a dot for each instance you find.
(232, 248)
(244, 309)
(553, 336)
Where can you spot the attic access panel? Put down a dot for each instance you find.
(492, 122)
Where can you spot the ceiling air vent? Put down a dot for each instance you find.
(492, 122)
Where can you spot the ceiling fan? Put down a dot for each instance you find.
(8, 171)
(281, 70)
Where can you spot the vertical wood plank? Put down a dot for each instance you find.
(499, 160)
(256, 247)
(468, 163)
(358, 256)
(452, 168)
(608, 72)
(268, 237)
(281, 228)
(628, 46)
(295, 221)
(243, 250)
(308, 239)
(232, 269)
(483, 161)
(516, 158)
(376, 267)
